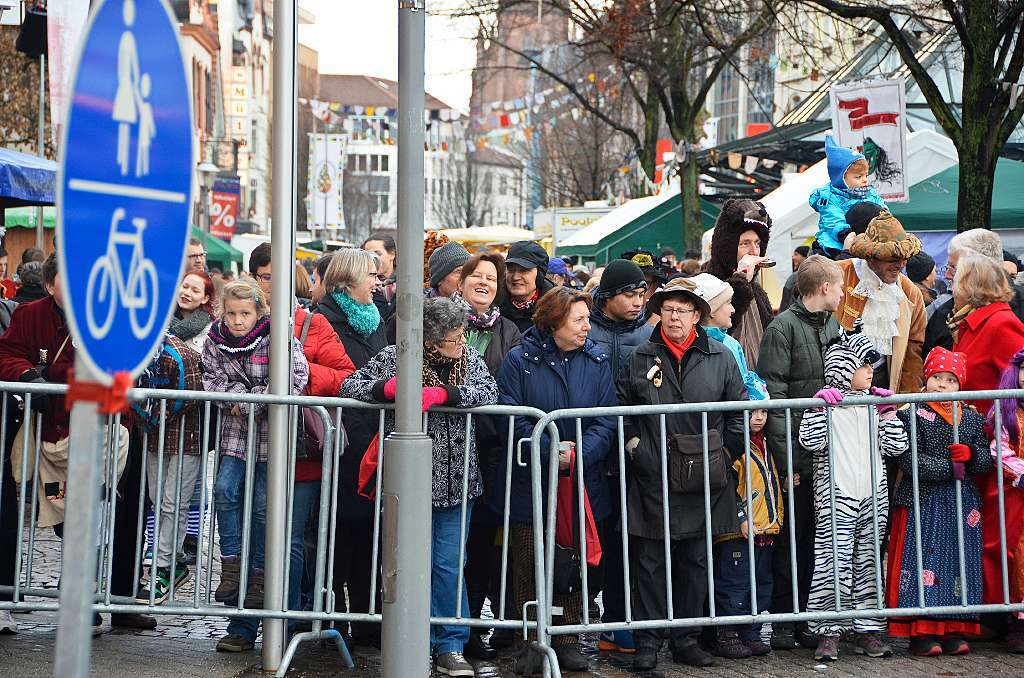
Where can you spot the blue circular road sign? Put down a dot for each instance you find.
(125, 185)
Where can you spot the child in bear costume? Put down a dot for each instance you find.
(846, 496)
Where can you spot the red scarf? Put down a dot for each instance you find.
(678, 348)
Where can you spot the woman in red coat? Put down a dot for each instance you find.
(983, 325)
(990, 334)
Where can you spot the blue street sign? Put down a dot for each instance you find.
(125, 185)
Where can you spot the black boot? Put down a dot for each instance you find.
(782, 637)
(645, 659)
(570, 658)
(690, 653)
(477, 648)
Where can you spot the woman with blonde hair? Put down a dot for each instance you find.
(347, 285)
(982, 323)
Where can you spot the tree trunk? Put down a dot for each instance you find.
(977, 177)
(693, 229)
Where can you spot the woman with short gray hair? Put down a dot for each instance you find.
(454, 375)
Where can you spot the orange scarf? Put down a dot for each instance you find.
(678, 348)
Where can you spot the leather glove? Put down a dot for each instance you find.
(391, 388)
(40, 401)
(958, 452)
(434, 395)
(831, 396)
(959, 470)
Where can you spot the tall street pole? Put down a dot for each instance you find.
(282, 305)
(41, 140)
(406, 500)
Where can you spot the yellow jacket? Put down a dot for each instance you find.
(765, 490)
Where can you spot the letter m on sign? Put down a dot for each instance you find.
(861, 118)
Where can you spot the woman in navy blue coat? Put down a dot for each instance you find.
(555, 367)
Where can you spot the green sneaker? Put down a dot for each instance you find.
(162, 585)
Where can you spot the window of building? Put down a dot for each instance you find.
(384, 163)
(503, 185)
(374, 163)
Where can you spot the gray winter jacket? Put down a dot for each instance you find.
(447, 431)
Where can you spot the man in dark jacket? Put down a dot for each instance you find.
(37, 349)
(680, 364)
(790, 362)
(525, 282)
(618, 325)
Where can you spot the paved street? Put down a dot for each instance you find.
(183, 646)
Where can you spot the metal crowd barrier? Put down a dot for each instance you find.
(618, 456)
(27, 595)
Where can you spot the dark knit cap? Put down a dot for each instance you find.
(444, 260)
(861, 214)
(620, 275)
(919, 266)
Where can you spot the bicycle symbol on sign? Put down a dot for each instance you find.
(108, 288)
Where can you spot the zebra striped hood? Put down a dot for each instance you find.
(845, 354)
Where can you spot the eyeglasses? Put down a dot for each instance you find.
(197, 256)
(265, 277)
(681, 312)
(461, 341)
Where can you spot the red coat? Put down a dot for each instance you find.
(35, 327)
(7, 289)
(329, 365)
(989, 336)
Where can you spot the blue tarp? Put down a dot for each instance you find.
(26, 179)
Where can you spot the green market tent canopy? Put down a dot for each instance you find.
(642, 223)
(219, 254)
(25, 217)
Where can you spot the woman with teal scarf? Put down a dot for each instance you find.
(718, 294)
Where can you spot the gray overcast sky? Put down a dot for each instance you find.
(361, 36)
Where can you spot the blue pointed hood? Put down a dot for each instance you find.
(839, 160)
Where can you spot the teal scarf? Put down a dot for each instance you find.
(364, 318)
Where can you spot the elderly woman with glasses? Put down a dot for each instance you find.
(454, 375)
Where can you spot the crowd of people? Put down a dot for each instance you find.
(524, 329)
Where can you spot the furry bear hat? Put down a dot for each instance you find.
(847, 353)
(736, 217)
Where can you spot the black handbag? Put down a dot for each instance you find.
(567, 579)
(686, 463)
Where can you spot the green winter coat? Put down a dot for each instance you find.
(791, 365)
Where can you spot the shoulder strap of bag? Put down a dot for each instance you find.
(305, 327)
(61, 349)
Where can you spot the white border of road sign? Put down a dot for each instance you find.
(97, 373)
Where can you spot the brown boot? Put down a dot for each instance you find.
(254, 594)
(227, 590)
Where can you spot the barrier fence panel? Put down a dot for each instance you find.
(161, 495)
(841, 604)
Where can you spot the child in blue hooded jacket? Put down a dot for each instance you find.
(848, 173)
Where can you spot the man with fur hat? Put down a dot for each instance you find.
(738, 248)
(889, 304)
(679, 364)
(850, 489)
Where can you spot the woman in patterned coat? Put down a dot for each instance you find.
(940, 462)
(455, 375)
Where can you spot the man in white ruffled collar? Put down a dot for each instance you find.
(891, 306)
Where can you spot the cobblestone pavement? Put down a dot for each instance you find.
(184, 646)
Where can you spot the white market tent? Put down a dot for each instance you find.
(793, 220)
(504, 235)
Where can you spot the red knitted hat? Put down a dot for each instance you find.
(941, 360)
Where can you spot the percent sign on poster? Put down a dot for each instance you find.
(224, 209)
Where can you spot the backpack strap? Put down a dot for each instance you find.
(305, 327)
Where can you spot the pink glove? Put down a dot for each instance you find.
(434, 395)
(831, 396)
(882, 393)
(391, 388)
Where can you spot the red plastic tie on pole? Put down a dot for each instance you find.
(112, 399)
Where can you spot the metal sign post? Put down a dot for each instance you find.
(282, 305)
(406, 496)
(123, 194)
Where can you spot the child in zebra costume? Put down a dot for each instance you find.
(844, 495)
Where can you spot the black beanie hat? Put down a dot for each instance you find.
(620, 275)
(919, 266)
(861, 214)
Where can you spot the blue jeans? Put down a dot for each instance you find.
(229, 500)
(304, 501)
(444, 578)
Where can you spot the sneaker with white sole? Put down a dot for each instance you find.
(454, 664)
(163, 584)
(7, 623)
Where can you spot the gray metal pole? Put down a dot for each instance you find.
(405, 497)
(41, 141)
(81, 526)
(282, 305)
